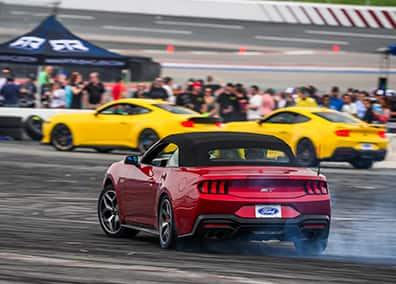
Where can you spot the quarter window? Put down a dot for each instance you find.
(287, 118)
(124, 109)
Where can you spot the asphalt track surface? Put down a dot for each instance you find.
(50, 234)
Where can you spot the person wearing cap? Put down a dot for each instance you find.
(304, 100)
(196, 98)
(28, 91)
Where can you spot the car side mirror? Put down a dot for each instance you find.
(260, 122)
(132, 160)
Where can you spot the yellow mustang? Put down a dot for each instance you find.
(317, 134)
(126, 123)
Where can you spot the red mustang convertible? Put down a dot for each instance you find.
(217, 185)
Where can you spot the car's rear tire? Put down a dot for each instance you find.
(305, 154)
(62, 138)
(362, 164)
(146, 139)
(166, 225)
(310, 247)
(108, 214)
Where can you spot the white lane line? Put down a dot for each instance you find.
(135, 29)
(305, 40)
(348, 34)
(26, 13)
(63, 16)
(77, 17)
(299, 52)
(201, 25)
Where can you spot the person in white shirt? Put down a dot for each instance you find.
(168, 82)
(58, 96)
(349, 106)
(255, 102)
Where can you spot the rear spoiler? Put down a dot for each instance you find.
(379, 126)
(205, 120)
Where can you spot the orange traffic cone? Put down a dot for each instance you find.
(336, 48)
(170, 48)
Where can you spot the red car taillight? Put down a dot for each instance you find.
(382, 134)
(343, 133)
(187, 123)
(213, 187)
(316, 188)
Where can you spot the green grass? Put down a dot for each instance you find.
(353, 2)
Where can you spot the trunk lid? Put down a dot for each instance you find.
(261, 182)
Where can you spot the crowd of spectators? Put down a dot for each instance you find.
(231, 101)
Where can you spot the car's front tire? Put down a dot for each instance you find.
(310, 247)
(166, 225)
(146, 139)
(62, 138)
(305, 154)
(108, 214)
(362, 164)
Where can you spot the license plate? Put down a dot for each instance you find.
(366, 146)
(268, 211)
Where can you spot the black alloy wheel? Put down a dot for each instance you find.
(108, 214)
(62, 138)
(146, 139)
(166, 225)
(305, 154)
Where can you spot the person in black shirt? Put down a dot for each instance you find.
(369, 115)
(95, 91)
(77, 87)
(157, 91)
(140, 92)
(196, 98)
(227, 103)
(240, 113)
(28, 92)
(210, 83)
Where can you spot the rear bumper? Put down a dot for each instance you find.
(229, 226)
(346, 154)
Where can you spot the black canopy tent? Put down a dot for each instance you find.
(51, 43)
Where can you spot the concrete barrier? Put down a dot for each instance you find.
(44, 113)
(264, 11)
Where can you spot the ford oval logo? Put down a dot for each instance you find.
(268, 211)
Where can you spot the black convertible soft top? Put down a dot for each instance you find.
(194, 146)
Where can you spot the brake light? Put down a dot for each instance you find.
(382, 134)
(213, 187)
(343, 133)
(218, 124)
(316, 188)
(187, 123)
